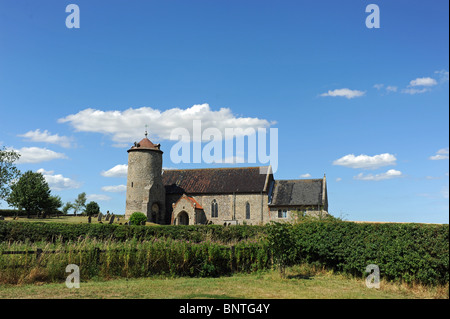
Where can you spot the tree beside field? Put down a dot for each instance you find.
(32, 194)
(8, 171)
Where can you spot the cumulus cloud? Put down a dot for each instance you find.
(46, 137)
(307, 175)
(423, 82)
(58, 182)
(392, 173)
(420, 85)
(366, 161)
(115, 189)
(116, 171)
(442, 154)
(126, 126)
(349, 94)
(37, 155)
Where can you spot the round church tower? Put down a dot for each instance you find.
(145, 189)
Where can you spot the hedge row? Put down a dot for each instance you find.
(12, 212)
(403, 252)
(51, 232)
(134, 259)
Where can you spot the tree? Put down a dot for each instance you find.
(80, 203)
(53, 205)
(31, 192)
(92, 208)
(66, 207)
(137, 218)
(8, 171)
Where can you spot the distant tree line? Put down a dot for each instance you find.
(30, 193)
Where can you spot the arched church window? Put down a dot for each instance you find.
(214, 209)
(247, 210)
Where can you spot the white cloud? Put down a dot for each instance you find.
(365, 161)
(37, 155)
(58, 182)
(127, 126)
(423, 82)
(338, 179)
(46, 137)
(115, 189)
(97, 197)
(391, 88)
(116, 171)
(392, 173)
(442, 154)
(415, 91)
(307, 175)
(443, 75)
(378, 86)
(349, 94)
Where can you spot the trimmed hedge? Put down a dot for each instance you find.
(12, 212)
(50, 232)
(403, 252)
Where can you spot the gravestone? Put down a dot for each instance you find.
(112, 219)
(89, 219)
(107, 216)
(100, 215)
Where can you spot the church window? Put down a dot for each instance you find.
(247, 210)
(282, 213)
(214, 209)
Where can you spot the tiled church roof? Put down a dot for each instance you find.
(298, 192)
(214, 180)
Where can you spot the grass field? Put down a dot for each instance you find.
(300, 283)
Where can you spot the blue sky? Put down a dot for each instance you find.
(368, 107)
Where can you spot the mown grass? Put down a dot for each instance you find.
(301, 282)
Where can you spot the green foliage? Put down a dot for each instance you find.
(79, 203)
(67, 207)
(8, 171)
(92, 208)
(12, 212)
(11, 231)
(403, 252)
(282, 244)
(53, 205)
(137, 218)
(132, 259)
(31, 192)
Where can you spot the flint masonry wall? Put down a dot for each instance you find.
(144, 170)
(233, 207)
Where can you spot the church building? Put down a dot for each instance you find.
(223, 196)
